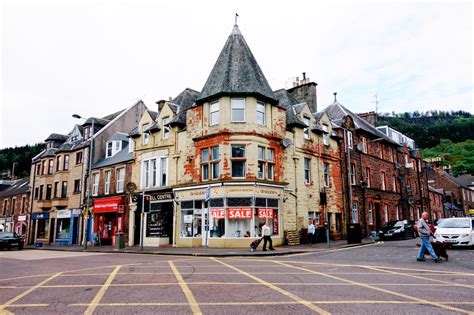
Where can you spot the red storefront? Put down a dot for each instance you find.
(108, 218)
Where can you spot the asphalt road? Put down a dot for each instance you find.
(378, 278)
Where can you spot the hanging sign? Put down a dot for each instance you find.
(217, 213)
(239, 213)
(264, 213)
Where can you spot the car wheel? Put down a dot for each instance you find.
(20, 247)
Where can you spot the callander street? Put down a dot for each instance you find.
(374, 278)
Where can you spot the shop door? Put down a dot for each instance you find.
(137, 228)
(75, 230)
(51, 231)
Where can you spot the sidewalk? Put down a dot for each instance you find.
(210, 252)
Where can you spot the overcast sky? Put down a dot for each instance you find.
(97, 57)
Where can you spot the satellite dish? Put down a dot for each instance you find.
(411, 201)
(360, 147)
(131, 187)
(286, 142)
(398, 165)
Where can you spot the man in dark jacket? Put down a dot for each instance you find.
(425, 233)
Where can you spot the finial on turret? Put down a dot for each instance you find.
(236, 16)
(335, 98)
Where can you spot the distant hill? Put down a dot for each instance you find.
(427, 129)
(21, 155)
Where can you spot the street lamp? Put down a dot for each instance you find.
(88, 177)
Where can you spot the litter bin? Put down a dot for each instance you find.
(354, 233)
(119, 241)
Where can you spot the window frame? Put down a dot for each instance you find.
(364, 145)
(306, 134)
(383, 185)
(95, 184)
(66, 162)
(238, 159)
(146, 135)
(120, 179)
(213, 112)
(166, 129)
(326, 174)
(261, 105)
(367, 177)
(350, 140)
(107, 175)
(233, 103)
(307, 170)
(352, 174)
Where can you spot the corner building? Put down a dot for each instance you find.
(254, 154)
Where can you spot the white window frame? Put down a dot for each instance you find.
(385, 212)
(390, 153)
(306, 134)
(261, 162)
(152, 171)
(325, 134)
(270, 155)
(367, 176)
(397, 212)
(307, 170)
(261, 110)
(235, 104)
(146, 135)
(380, 147)
(364, 145)
(107, 182)
(394, 183)
(352, 174)
(371, 214)
(166, 129)
(326, 174)
(239, 159)
(131, 145)
(95, 184)
(355, 212)
(120, 179)
(382, 178)
(214, 110)
(350, 142)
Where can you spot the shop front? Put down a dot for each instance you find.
(2, 225)
(42, 227)
(233, 217)
(21, 226)
(67, 226)
(108, 219)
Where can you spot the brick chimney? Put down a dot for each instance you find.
(305, 91)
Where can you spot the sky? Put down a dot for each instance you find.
(94, 58)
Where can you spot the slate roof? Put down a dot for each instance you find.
(97, 121)
(183, 101)
(56, 137)
(236, 72)
(152, 114)
(337, 112)
(120, 157)
(432, 189)
(287, 101)
(71, 146)
(112, 116)
(19, 187)
(455, 180)
(134, 133)
(466, 180)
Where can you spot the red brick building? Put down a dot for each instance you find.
(15, 207)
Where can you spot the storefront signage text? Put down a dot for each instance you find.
(217, 213)
(264, 213)
(63, 214)
(239, 213)
(21, 218)
(40, 216)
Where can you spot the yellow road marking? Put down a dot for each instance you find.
(16, 298)
(100, 294)
(279, 290)
(333, 250)
(187, 292)
(423, 278)
(28, 305)
(421, 301)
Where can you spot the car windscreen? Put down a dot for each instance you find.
(389, 224)
(398, 224)
(6, 234)
(455, 223)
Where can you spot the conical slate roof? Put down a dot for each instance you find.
(236, 73)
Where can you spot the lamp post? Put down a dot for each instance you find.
(91, 146)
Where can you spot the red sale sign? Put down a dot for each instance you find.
(217, 213)
(264, 213)
(239, 213)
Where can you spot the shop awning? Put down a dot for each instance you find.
(110, 204)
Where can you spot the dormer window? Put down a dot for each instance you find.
(87, 133)
(146, 136)
(306, 129)
(113, 147)
(49, 145)
(166, 128)
(326, 134)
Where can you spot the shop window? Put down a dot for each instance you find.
(43, 228)
(326, 174)
(239, 215)
(191, 218)
(338, 219)
(307, 171)
(63, 229)
(66, 163)
(238, 160)
(214, 113)
(266, 209)
(237, 109)
(120, 179)
(261, 113)
(217, 217)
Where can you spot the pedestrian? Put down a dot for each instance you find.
(425, 233)
(311, 233)
(267, 232)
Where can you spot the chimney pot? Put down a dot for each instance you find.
(304, 76)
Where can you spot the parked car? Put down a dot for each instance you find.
(9, 240)
(397, 229)
(456, 231)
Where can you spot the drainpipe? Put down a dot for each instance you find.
(30, 225)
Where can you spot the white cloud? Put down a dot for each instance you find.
(96, 57)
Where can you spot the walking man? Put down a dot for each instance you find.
(267, 232)
(425, 233)
(311, 231)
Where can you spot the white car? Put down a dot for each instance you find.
(456, 231)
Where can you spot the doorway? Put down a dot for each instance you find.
(378, 221)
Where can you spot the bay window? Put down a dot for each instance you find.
(166, 128)
(238, 160)
(237, 109)
(210, 163)
(154, 172)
